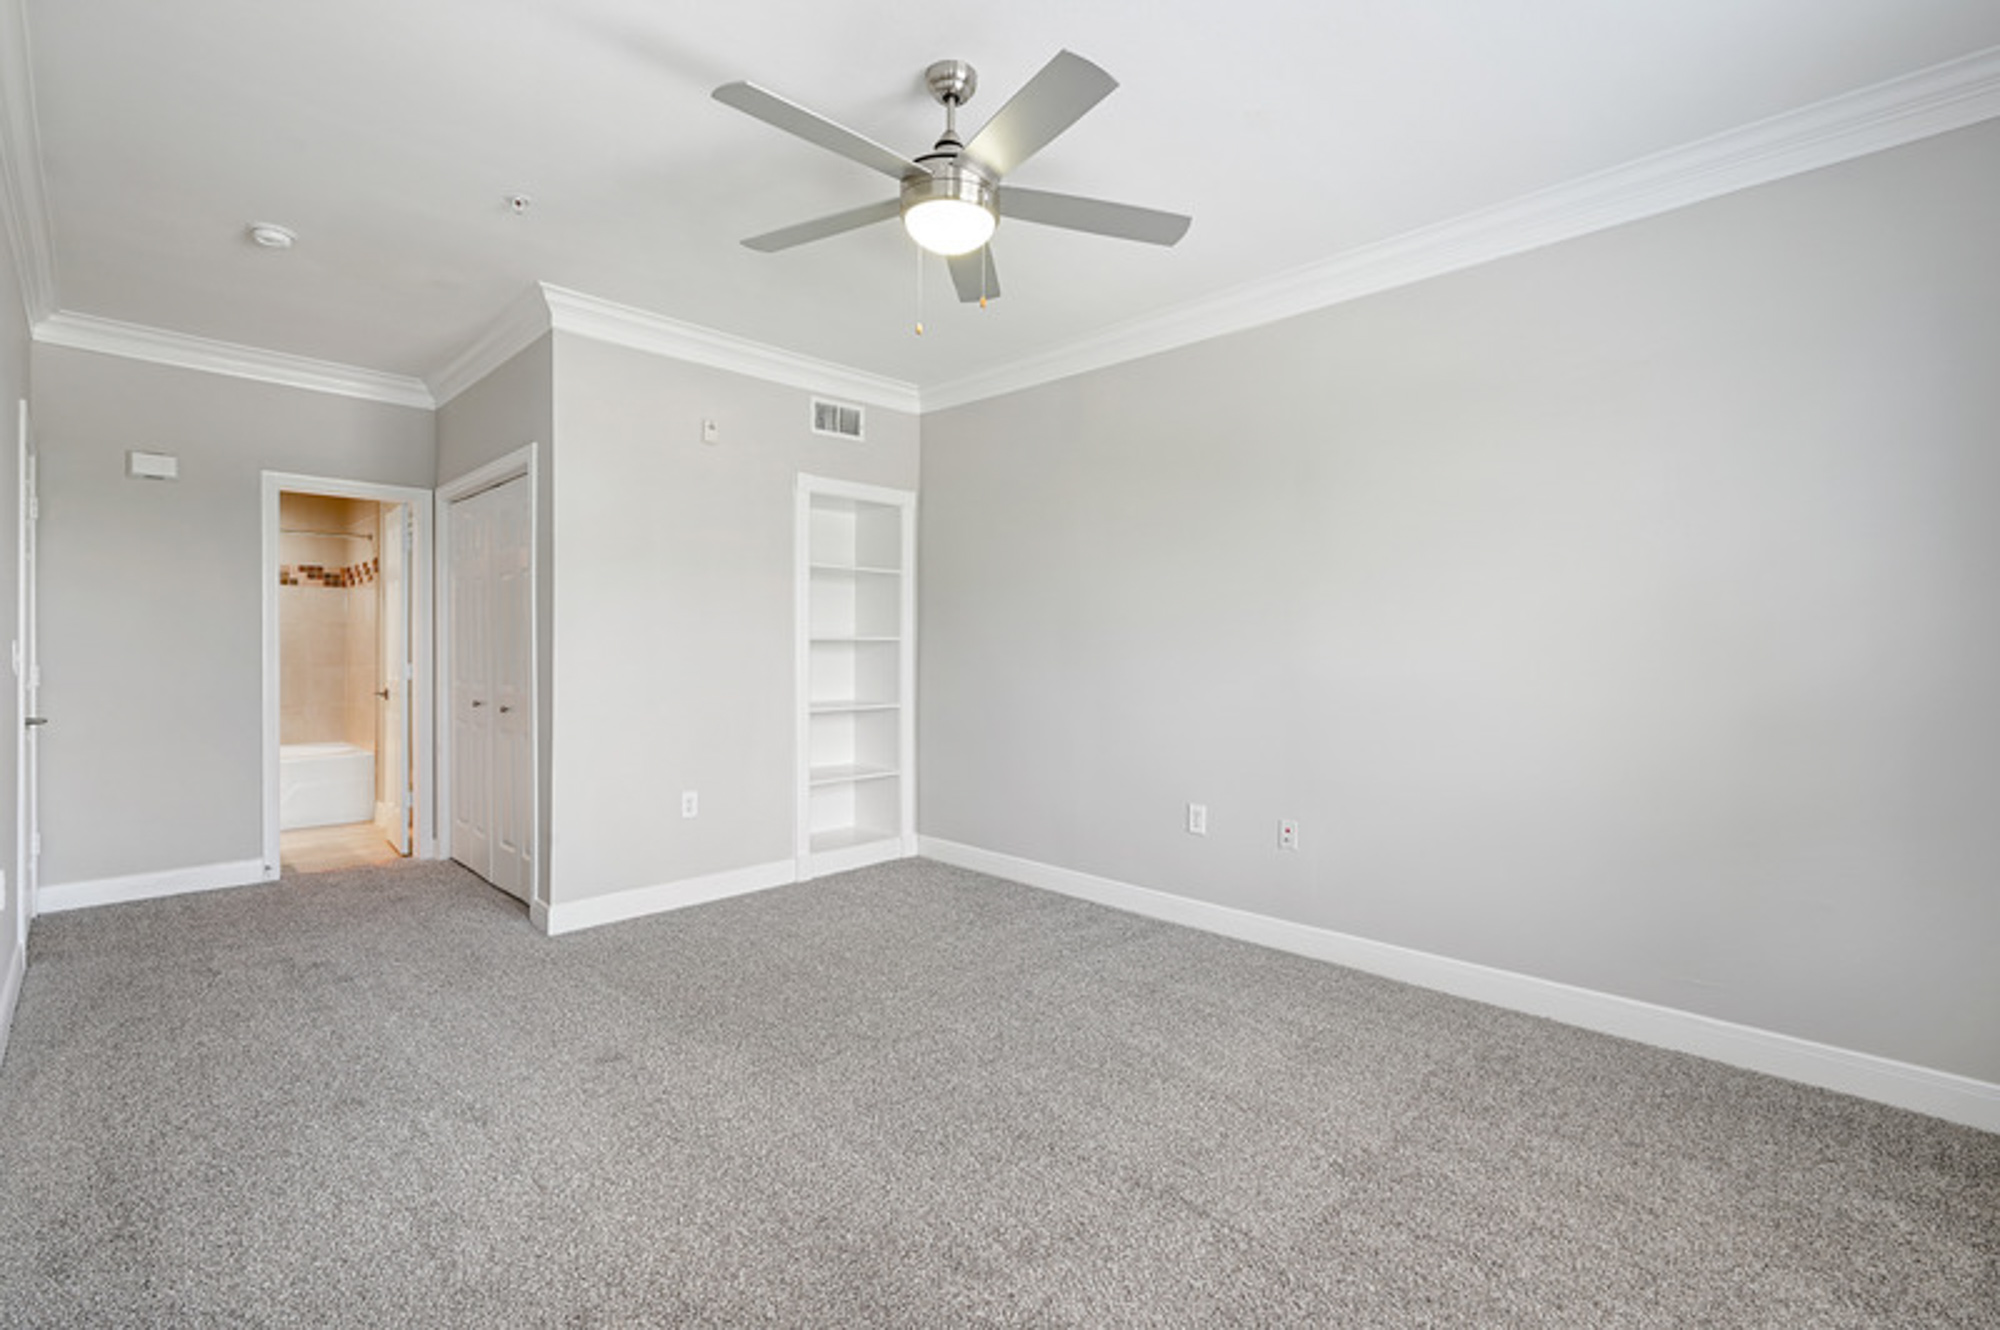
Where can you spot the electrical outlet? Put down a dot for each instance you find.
(1197, 819)
(1288, 834)
(690, 803)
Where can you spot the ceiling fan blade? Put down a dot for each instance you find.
(819, 228)
(975, 276)
(1046, 105)
(814, 128)
(1099, 216)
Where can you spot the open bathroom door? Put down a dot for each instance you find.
(395, 801)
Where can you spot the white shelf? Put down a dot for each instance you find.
(842, 838)
(845, 773)
(867, 570)
(856, 658)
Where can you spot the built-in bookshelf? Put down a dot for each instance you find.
(857, 778)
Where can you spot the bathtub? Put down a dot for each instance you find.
(325, 785)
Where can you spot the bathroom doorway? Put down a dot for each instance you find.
(347, 679)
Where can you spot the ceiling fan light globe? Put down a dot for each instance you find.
(949, 226)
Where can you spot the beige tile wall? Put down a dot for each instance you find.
(328, 663)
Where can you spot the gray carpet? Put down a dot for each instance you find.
(909, 1096)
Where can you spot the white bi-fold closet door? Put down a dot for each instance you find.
(491, 591)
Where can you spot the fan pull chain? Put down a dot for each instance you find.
(920, 288)
(985, 266)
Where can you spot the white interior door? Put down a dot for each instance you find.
(491, 585)
(470, 588)
(510, 559)
(28, 682)
(396, 798)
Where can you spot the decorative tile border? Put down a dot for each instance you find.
(318, 574)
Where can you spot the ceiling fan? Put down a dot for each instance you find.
(951, 197)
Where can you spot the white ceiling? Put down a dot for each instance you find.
(387, 133)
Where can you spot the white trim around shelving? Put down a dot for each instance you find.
(160, 346)
(54, 898)
(1955, 1098)
(899, 842)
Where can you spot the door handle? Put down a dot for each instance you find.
(476, 702)
(505, 710)
(382, 693)
(34, 720)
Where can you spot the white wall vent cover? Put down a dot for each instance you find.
(837, 419)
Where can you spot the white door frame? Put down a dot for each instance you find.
(422, 710)
(395, 651)
(522, 462)
(27, 671)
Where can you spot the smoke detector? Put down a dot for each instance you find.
(272, 236)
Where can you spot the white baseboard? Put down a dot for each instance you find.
(1941, 1094)
(10, 994)
(635, 902)
(54, 898)
(828, 862)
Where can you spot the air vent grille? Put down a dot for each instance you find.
(836, 419)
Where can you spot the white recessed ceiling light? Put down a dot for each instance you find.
(272, 236)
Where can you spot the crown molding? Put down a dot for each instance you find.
(160, 346)
(24, 208)
(622, 325)
(1932, 101)
(526, 319)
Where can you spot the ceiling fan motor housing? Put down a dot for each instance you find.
(951, 208)
(950, 178)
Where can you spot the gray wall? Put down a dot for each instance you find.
(151, 598)
(673, 623)
(1624, 613)
(512, 406)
